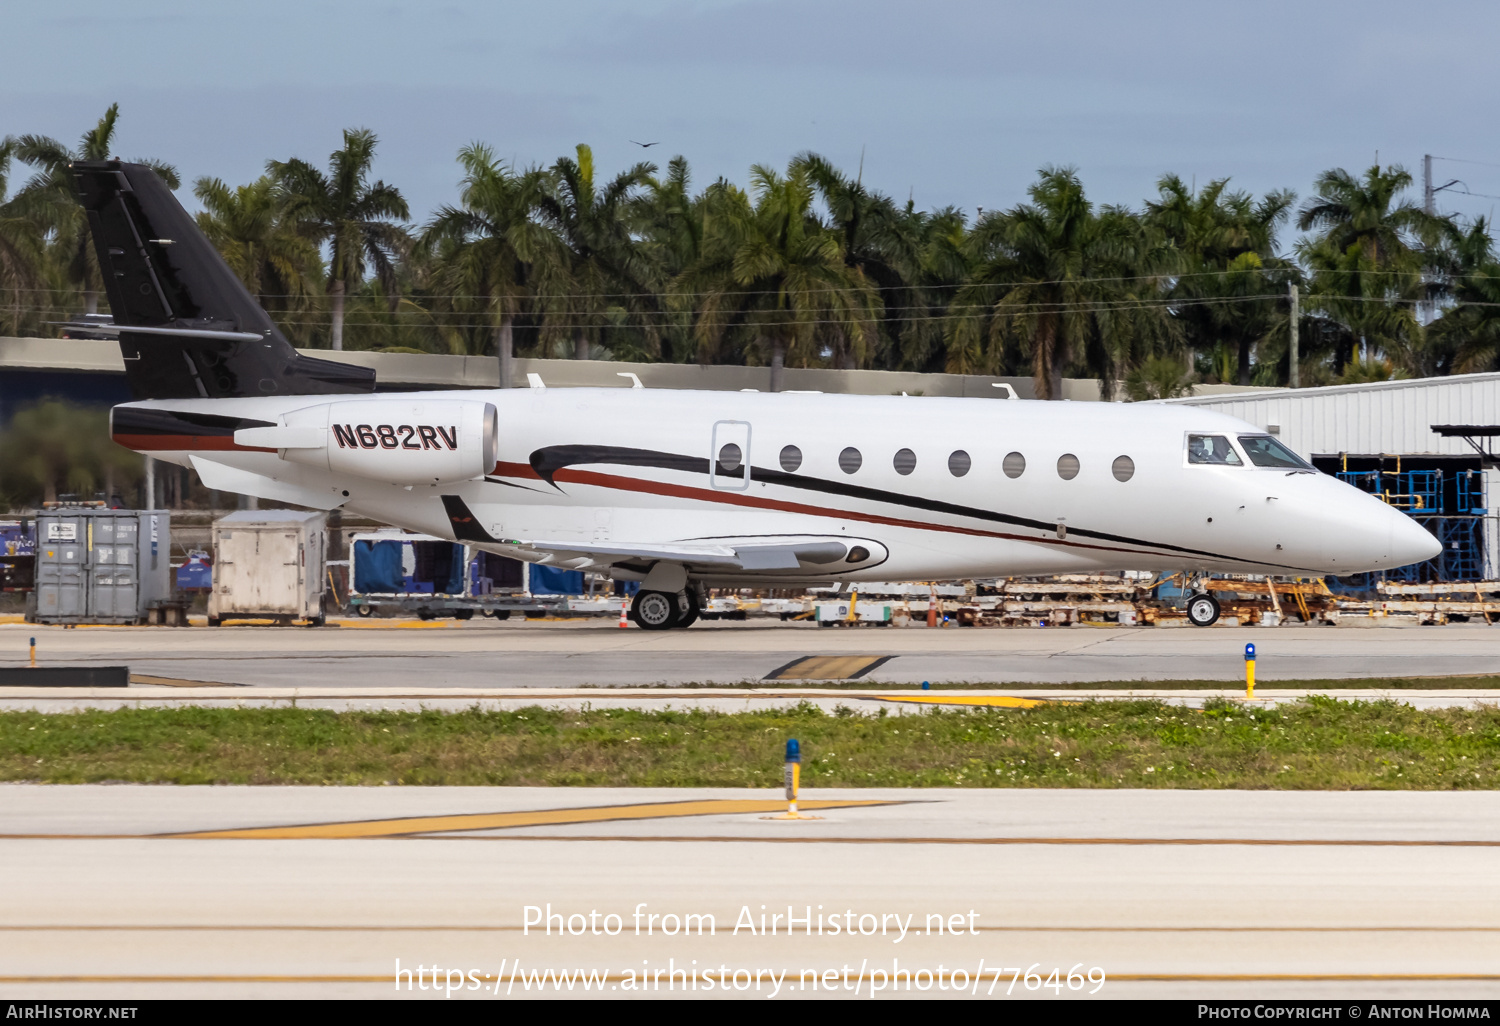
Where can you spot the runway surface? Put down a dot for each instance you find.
(126, 892)
(517, 654)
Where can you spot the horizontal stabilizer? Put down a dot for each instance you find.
(116, 329)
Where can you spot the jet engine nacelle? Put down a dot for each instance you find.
(403, 442)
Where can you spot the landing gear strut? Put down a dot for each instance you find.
(1202, 610)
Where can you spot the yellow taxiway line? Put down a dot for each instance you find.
(998, 701)
(503, 820)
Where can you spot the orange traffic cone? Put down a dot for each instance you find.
(624, 605)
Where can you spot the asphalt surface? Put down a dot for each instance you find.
(516, 654)
(1360, 895)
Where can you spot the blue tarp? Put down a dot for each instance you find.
(546, 580)
(377, 567)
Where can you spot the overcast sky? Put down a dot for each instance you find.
(950, 101)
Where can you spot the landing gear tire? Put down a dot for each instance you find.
(687, 608)
(655, 610)
(1203, 610)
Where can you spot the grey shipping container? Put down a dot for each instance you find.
(101, 565)
(269, 563)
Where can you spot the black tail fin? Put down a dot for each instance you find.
(188, 328)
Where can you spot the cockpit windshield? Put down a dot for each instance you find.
(1212, 449)
(1265, 451)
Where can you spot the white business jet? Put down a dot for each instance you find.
(682, 490)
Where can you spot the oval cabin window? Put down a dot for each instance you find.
(905, 462)
(850, 460)
(959, 463)
(729, 458)
(791, 459)
(1067, 466)
(1123, 468)
(1014, 465)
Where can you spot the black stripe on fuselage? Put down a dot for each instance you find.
(548, 461)
(146, 420)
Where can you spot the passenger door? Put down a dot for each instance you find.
(729, 457)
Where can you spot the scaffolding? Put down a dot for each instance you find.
(1449, 503)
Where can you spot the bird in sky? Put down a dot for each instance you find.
(645, 146)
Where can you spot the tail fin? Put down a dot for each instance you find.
(188, 328)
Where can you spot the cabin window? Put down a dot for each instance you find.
(1123, 468)
(1212, 449)
(1014, 465)
(905, 462)
(791, 459)
(730, 458)
(1067, 466)
(850, 460)
(959, 463)
(1265, 451)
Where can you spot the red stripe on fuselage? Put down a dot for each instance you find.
(184, 443)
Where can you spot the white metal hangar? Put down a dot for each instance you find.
(1380, 437)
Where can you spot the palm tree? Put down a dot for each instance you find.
(1367, 260)
(772, 275)
(1228, 265)
(249, 227)
(357, 218)
(1466, 337)
(490, 249)
(21, 251)
(668, 220)
(608, 271)
(867, 223)
(1064, 283)
(49, 197)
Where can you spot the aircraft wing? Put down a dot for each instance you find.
(604, 554)
(805, 552)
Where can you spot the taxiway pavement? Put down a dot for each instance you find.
(116, 891)
(514, 654)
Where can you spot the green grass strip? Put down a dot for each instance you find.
(1321, 743)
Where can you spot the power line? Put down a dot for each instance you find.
(1143, 279)
(1462, 160)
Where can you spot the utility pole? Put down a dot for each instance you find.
(1294, 377)
(1429, 197)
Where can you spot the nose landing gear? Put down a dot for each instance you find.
(1202, 610)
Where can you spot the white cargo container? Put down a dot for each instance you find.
(269, 563)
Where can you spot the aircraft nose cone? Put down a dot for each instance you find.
(1411, 542)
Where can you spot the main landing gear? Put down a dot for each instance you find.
(660, 610)
(1202, 609)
